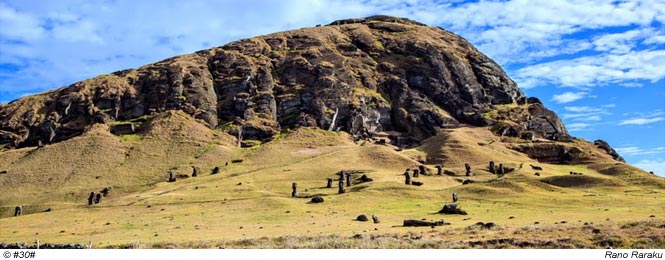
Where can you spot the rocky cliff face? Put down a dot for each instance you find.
(362, 76)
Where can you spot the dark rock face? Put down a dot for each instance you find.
(552, 153)
(359, 75)
(605, 146)
(362, 218)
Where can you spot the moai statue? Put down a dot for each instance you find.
(422, 169)
(98, 198)
(348, 179)
(341, 186)
(171, 176)
(500, 171)
(330, 181)
(468, 169)
(375, 219)
(454, 197)
(18, 211)
(492, 169)
(439, 169)
(91, 198)
(294, 192)
(195, 171)
(415, 173)
(407, 181)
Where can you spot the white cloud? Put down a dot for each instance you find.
(19, 26)
(578, 127)
(641, 121)
(656, 166)
(634, 150)
(597, 70)
(568, 97)
(586, 113)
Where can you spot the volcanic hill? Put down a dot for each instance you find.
(206, 146)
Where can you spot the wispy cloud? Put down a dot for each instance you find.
(656, 166)
(578, 126)
(634, 150)
(568, 97)
(587, 113)
(589, 71)
(641, 121)
(644, 119)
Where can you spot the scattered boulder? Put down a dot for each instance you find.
(123, 129)
(422, 223)
(317, 199)
(364, 178)
(536, 167)
(362, 218)
(5, 172)
(481, 225)
(215, 170)
(452, 209)
(449, 172)
(416, 183)
(537, 174)
(237, 161)
(467, 181)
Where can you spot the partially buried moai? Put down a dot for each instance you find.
(422, 169)
(500, 171)
(18, 211)
(98, 198)
(407, 177)
(330, 182)
(415, 173)
(492, 169)
(195, 171)
(348, 179)
(91, 198)
(454, 197)
(439, 169)
(341, 186)
(468, 169)
(294, 190)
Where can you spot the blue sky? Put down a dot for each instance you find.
(599, 64)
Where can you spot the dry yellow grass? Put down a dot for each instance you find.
(250, 200)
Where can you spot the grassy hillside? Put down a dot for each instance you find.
(248, 204)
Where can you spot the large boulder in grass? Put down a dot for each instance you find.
(452, 209)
